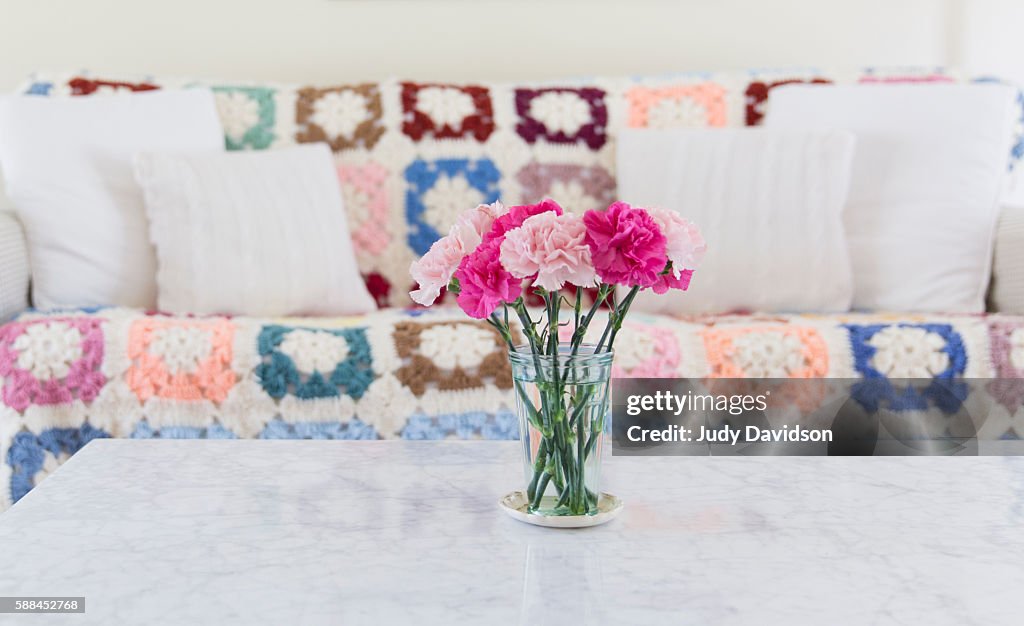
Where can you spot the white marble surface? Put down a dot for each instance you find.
(289, 532)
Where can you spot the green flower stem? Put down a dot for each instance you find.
(576, 311)
(538, 468)
(620, 315)
(541, 488)
(581, 464)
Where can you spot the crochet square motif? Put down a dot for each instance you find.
(346, 117)
(351, 430)
(757, 95)
(451, 355)
(1007, 341)
(766, 352)
(578, 188)
(314, 362)
(646, 351)
(446, 111)
(80, 86)
(909, 366)
(33, 457)
(248, 115)
(365, 189)
(181, 359)
(503, 425)
(51, 361)
(680, 106)
(563, 115)
(438, 191)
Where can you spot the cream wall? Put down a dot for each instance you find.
(330, 40)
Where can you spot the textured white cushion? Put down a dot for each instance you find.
(927, 175)
(1007, 294)
(254, 233)
(769, 204)
(68, 170)
(14, 272)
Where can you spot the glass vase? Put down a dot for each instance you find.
(562, 401)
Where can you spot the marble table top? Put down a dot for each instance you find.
(290, 532)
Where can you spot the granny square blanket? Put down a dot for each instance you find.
(67, 378)
(411, 155)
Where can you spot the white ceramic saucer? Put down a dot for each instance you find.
(515, 504)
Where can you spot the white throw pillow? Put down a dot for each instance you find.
(253, 233)
(924, 188)
(68, 169)
(769, 204)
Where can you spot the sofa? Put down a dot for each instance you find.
(69, 376)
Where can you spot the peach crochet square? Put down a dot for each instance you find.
(766, 352)
(679, 106)
(181, 359)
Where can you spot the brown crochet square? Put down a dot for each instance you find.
(365, 135)
(420, 370)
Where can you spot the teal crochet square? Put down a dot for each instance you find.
(313, 363)
(248, 115)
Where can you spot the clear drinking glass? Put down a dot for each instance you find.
(563, 406)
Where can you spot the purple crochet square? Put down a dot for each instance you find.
(563, 115)
(578, 188)
(1007, 388)
(51, 361)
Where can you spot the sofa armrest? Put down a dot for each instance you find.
(14, 270)
(1007, 291)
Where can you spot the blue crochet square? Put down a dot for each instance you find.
(944, 390)
(280, 375)
(39, 88)
(431, 182)
(144, 431)
(351, 430)
(502, 425)
(27, 454)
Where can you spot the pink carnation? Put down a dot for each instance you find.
(684, 244)
(484, 284)
(474, 224)
(671, 281)
(516, 215)
(626, 245)
(551, 246)
(434, 270)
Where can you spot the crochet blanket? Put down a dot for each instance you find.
(68, 378)
(411, 155)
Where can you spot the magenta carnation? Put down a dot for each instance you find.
(516, 216)
(626, 245)
(670, 281)
(484, 284)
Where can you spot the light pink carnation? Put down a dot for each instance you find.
(434, 270)
(684, 246)
(551, 247)
(475, 223)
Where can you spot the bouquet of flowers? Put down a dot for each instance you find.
(561, 386)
